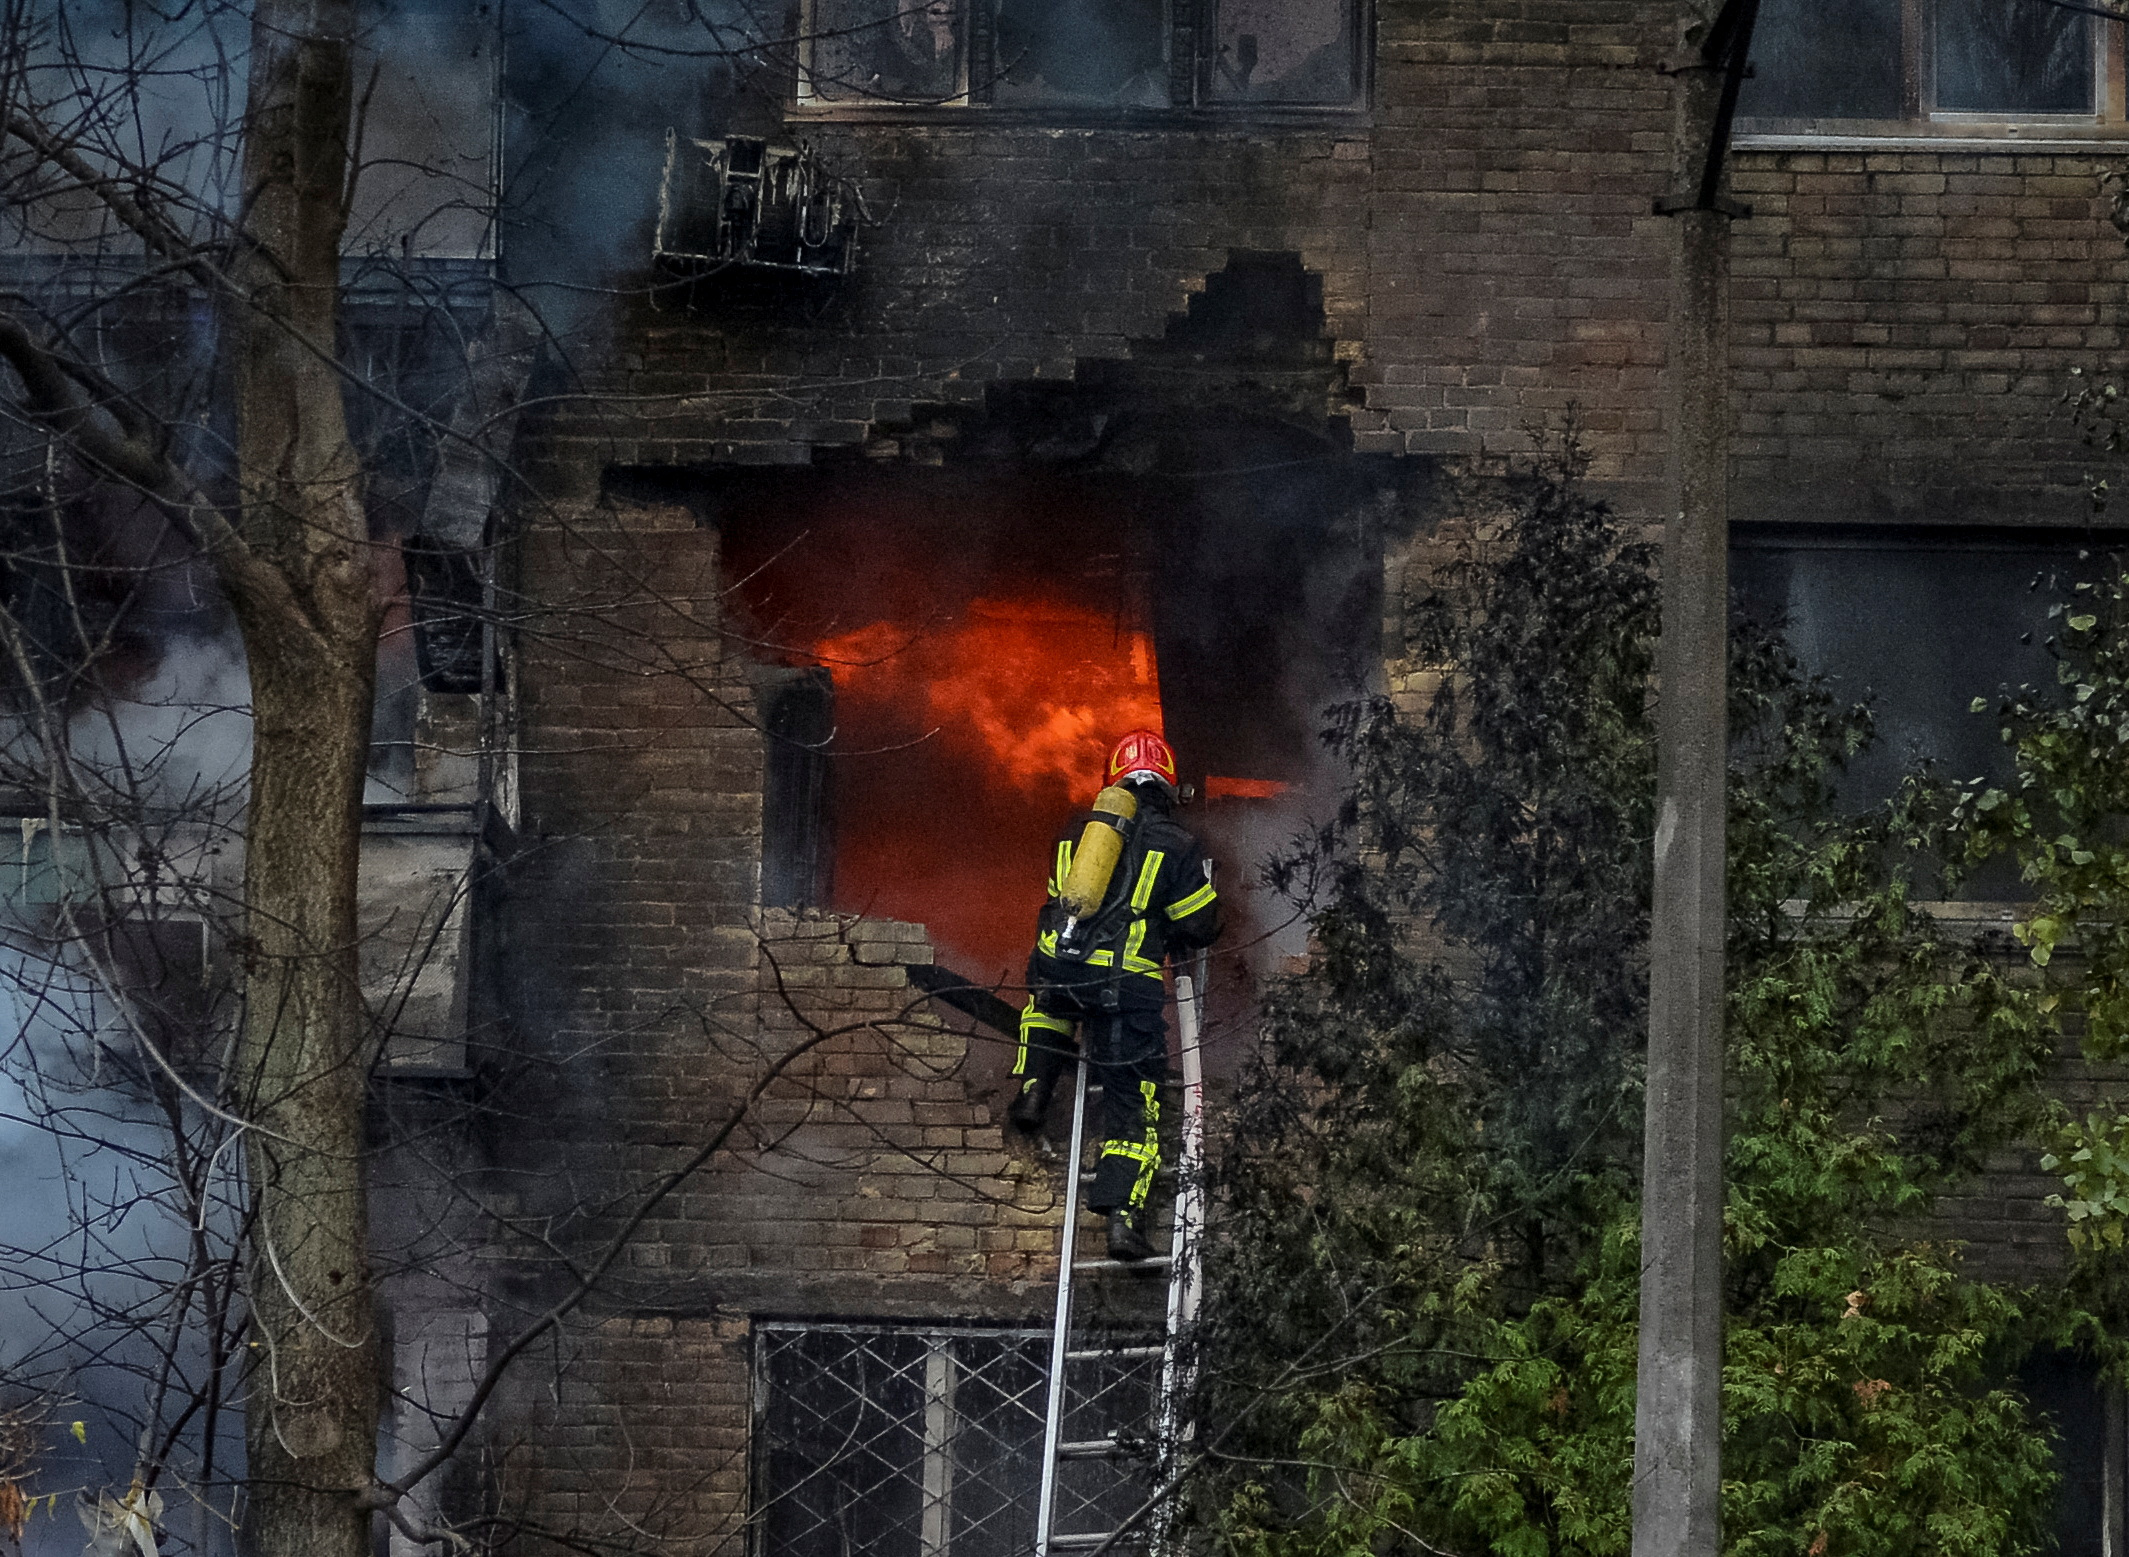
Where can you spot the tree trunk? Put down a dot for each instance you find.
(298, 578)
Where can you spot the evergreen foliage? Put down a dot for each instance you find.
(2065, 819)
(1421, 1333)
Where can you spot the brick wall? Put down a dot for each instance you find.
(1515, 266)
(1903, 330)
(1483, 236)
(1003, 256)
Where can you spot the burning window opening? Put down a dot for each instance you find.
(976, 642)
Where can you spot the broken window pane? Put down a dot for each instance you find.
(1281, 51)
(898, 51)
(1108, 52)
(1997, 56)
(1812, 61)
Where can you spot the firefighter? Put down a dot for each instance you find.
(1100, 945)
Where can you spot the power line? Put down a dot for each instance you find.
(2087, 10)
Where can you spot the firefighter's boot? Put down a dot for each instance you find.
(1126, 1242)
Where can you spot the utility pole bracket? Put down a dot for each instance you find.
(1722, 205)
(1685, 64)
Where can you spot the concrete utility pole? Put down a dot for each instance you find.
(1678, 1412)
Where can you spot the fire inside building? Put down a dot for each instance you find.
(943, 396)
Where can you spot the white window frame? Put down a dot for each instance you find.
(1921, 120)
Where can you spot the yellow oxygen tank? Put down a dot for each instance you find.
(1101, 844)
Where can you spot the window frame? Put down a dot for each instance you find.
(936, 1424)
(961, 97)
(1186, 29)
(1921, 120)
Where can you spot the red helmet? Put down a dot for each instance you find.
(1143, 755)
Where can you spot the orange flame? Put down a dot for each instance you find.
(1038, 687)
(990, 731)
(1218, 787)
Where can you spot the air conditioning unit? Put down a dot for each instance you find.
(754, 204)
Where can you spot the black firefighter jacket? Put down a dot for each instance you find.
(1158, 903)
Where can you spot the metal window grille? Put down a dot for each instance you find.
(907, 1441)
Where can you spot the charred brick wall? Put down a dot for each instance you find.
(1483, 238)
(1003, 256)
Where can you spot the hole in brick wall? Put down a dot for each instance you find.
(984, 635)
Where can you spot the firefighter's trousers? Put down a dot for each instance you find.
(1129, 1051)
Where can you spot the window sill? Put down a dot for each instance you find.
(1967, 135)
(1239, 116)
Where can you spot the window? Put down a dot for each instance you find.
(798, 722)
(907, 1441)
(897, 1442)
(1112, 52)
(1928, 60)
(2086, 1414)
(893, 51)
(1918, 622)
(1097, 54)
(1280, 51)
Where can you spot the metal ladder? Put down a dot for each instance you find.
(1096, 1480)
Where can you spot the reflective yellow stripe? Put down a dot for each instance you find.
(1046, 943)
(1146, 1153)
(1034, 1021)
(1142, 894)
(1064, 866)
(1183, 908)
(1102, 957)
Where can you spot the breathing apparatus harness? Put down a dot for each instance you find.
(1095, 896)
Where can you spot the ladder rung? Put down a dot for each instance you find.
(1092, 1449)
(1120, 1353)
(1087, 1543)
(1160, 1176)
(1151, 1262)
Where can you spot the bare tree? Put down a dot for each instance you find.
(289, 548)
(232, 469)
